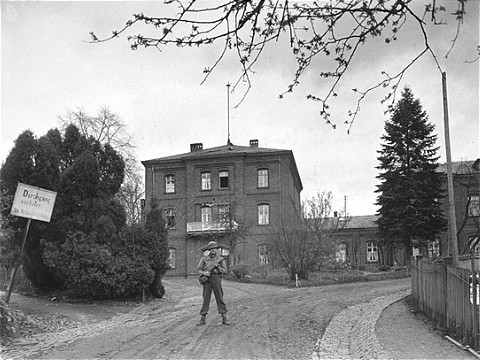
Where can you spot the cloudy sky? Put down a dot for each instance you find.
(48, 68)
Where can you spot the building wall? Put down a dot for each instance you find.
(466, 183)
(281, 195)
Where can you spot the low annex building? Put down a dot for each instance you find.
(206, 194)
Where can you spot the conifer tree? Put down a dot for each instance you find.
(410, 188)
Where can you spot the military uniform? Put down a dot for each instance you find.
(215, 267)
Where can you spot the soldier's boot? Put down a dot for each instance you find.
(224, 320)
(202, 320)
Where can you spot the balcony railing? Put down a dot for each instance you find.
(207, 226)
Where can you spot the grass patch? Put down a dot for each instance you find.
(280, 277)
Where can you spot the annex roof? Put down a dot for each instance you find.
(461, 167)
(361, 222)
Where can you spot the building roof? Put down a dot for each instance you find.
(218, 150)
(361, 222)
(461, 167)
(197, 152)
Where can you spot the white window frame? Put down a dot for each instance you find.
(264, 254)
(372, 252)
(172, 258)
(206, 181)
(341, 253)
(262, 178)
(206, 212)
(224, 174)
(169, 184)
(474, 205)
(474, 248)
(433, 249)
(263, 211)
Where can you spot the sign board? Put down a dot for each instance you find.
(33, 202)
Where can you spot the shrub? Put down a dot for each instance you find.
(240, 270)
(7, 323)
(91, 268)
(261, 271)
(384, 268)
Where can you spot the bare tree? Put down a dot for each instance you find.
(307, 240)
(236, 229)
(106, 127)
(334, 30)
(131, 195)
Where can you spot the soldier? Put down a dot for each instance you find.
(213, 266)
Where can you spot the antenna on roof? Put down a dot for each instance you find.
(228, 114)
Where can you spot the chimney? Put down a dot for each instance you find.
(254, 143)
(196, 147)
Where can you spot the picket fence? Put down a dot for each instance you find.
(449, 296)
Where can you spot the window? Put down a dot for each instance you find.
(474, 245)
(341, 253)
(433, 249)
(172, 254)
(262, 178)
(263, 214)
(263, 254)
(474, 205)
(372, 252)
(206, 181)
(223, 214)
(170, 183)
(206, 214)
(223, 179)
(169, 219)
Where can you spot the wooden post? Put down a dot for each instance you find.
(17, 265)
(452, 221)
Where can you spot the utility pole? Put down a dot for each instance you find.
(452, 221)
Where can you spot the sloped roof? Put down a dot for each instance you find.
(355, 222)
(461, 167)
(361, 222)
(215, 151)
(226, 150)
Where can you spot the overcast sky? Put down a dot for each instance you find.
(48, 68)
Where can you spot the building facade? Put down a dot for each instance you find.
(358, 245)
(235, 195)
(466, 190)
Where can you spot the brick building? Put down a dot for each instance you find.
(198, 190)
(358, 242)
(466, 188)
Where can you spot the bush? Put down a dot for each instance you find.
(240, 270)
(93, 269)
(384, 268)
(7, 323)
(261, 271)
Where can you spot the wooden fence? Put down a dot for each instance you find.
(449, 296)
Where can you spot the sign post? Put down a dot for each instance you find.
(32, 203)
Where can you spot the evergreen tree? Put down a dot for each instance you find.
(86, 248)
(410, 187)
(86, 177)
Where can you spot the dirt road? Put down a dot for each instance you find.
(266, 322)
